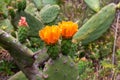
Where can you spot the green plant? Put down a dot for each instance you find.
(6, 67)
(85, 70)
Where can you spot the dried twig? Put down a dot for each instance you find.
(115, 40)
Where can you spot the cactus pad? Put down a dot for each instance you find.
(96, 25)
(49, 13)
(18, 76)
(38, 3)
(50, 2)
(93, 4)
(6, 25)
(62, 68)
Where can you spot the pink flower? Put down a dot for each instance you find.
(22, 22)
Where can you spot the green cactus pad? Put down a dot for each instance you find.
(96, 25)
(49, 13)
(93, 4)
(62, 68)
(18, 76)
(30, 8)
(50, 2)
(38, 4)
(34, 24)
(6, 25)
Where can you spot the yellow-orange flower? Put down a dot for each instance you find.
(50, 34)
(68, 29)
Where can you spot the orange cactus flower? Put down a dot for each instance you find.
(68, 29)
(22, 22)
(50, 34)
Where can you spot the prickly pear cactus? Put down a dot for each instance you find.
(96, 25)
(60, 66)
(49, 13)
(63, 68)
(34, 24)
